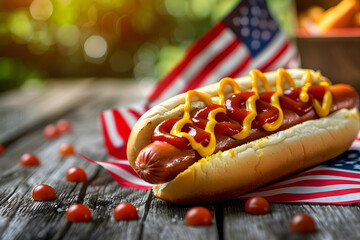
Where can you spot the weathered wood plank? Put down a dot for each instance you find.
(22, 218)
(333, 222)
(102, 196)
(46, 217)
(167, 221)
(22, 114)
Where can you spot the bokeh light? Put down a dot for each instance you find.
(95, 46)
(92, 14)
(68, 35)
(176, 8)
(65, 2)
(103, 38)
(21, 28)
(41, 9)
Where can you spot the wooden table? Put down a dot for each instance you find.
(23, 115)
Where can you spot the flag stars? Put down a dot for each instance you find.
(353, 156)
(255, 44)
(272, 25)
(254, 22)
(244, 10)
(254, 2)
(244, 21)
(263, 24)
(350, 162)
(264, 13)
(265, 35)
(245, 31)
(237, 21)
(256, 34)
(255, 11)
(357, 166)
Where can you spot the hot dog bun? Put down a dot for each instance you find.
(229, 173)
(141, 133)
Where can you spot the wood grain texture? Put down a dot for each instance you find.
(167, 221)
(333, 222)
(22, 114)
(28, 219)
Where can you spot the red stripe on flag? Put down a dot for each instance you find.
(123, 182)
(310, 183)
(294, 197)
(284, 47)
(125, 167)
(122, 126)
(311, 173)
(199, 78)
(136, 114)
(108, 143)
(193, 51)
(327, 172)
(237, 71)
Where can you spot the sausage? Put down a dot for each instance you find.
(161, 162)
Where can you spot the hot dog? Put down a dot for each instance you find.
(226, 143)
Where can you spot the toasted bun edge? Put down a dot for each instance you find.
(228, 174)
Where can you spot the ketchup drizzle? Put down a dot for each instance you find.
(231, 123)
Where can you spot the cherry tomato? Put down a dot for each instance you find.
(78, 213)
(29, 159)
(76, 174)
(125, 211)
(64, 126)
(302, 223)
(51, 132)
(2, 149)
(257, 205)
(43, 192)
(66, 149)
(198, 216)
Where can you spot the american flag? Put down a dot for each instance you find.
(335, 182)
(245, 39)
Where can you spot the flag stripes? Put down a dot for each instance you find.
(188, 59)
(322, 184)
(123, 173)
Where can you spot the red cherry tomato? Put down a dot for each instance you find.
(29, 159)
(43, 192)
(66, 149)
(198, 216)
(257, 205)
(78, 213)
(302, 223)
(76, 174)
(125, 211)
(64, 125)
(1, 149)
(51, 132)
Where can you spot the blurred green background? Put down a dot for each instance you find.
(138, 39)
